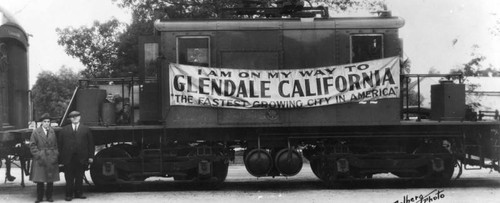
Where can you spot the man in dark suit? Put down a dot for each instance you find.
(76, 148)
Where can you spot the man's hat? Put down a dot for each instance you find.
(45, 116)
(73, 114)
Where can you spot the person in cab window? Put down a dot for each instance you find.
(45, 169)
(77, 152)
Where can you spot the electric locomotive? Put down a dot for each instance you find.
(209, 87)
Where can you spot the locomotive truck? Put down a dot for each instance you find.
(282, 89)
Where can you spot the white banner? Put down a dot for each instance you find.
(281, 89)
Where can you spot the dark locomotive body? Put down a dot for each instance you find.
(342, 142)
(280, 44)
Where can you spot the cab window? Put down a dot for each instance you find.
(193, 51)
(366, 47)
(151, 54)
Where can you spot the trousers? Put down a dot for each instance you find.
(40, 190)
(73, 173)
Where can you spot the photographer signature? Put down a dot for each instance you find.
(430, 197)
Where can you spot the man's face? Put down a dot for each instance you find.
(46, 123)
(75, 119)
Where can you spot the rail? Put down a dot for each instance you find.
(406, 79)
(129, 87)
(494, 114)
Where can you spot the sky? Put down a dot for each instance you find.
(40, 18)
(438, 34)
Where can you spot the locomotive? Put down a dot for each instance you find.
(283, 90)
(264, 85)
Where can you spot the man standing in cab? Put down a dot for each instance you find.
(76, 153)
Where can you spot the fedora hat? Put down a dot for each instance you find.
(45, 116)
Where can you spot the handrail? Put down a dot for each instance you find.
(66, 112)
(406, 78)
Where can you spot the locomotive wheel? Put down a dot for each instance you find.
(315, 167)
(220, 169)
(327, 172)
(219, 174)
(441, 178)
(96, 169)
(258, 162)
(288, 162)
(190, 175)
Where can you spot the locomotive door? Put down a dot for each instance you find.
(149, 60)
(149, 102)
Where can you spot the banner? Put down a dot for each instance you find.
(282, 89)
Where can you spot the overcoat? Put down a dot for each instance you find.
(45, 153)
(80, 143)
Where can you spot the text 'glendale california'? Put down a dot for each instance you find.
(292, 88)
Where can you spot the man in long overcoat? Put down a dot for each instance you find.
(45, 169)
(77, 151)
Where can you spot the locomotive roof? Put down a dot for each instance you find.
(249, 24)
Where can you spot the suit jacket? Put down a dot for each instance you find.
(43, 147)
(80, 143)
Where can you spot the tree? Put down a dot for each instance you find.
(350, 5)
(110, 48)
(96, 46)
(495, 29)
(410, 86)
(145, 12)
(472, 68)
(52, 91)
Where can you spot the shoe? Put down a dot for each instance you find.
(38, 201)
(68, 199)
(80, 197)
(50, 200)
(10, 178)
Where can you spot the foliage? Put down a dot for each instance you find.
(145, 12)
(472, 68)
(349, 5)
(495, 29)
(149, 10)
(110, 49)
(472, 100)
(410, 86)
(52, 91)
(96, 46)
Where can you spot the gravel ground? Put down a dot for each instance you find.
(478, 185)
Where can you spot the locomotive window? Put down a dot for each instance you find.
(366, 47)
(193, 51)
(151, 53)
